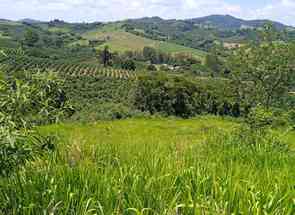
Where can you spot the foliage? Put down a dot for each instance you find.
(159, 166)
(260, 118)
(19, 146)
(213, 63)
(152, 67)
(105, 111)
(30, 38)
(291, 114)
(262, 73)
(96, 98)
(128, 65)
(33, 100)
(183, 97)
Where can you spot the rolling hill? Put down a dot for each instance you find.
(120, 40)
(202, 33)
(195, 36)
(227, 22)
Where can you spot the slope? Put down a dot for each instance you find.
(119, 40)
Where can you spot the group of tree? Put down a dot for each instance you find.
(263, 73)
(107, 58)
(148, 55)
(33, 38)
(258, 74)
(159, 57)
(184, 97)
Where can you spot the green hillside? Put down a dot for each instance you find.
(119, 40)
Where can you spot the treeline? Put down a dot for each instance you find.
(148, 55)
(258, 74)
(186, 97)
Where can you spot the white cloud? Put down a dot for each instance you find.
(104, 10)
(279, 10)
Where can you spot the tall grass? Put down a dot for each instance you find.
(160, 167)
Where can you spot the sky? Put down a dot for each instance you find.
(111, 10)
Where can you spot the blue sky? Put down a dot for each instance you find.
(109, 10)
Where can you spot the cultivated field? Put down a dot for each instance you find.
(119, 40)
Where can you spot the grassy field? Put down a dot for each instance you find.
(119, 40)
(59, 29)
(154, 166)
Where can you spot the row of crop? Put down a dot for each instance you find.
(24, 63)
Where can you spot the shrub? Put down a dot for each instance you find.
(152, 67)
(128, 65)
(291, 117)
(17, 147)
(260, 118)
(33, 100)
(36, 99)
(105, 111)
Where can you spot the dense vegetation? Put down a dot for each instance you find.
(185, 167)
(208, 135)
(203, 33)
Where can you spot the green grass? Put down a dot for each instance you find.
(59, 29)
(153, 166)
(120, 41)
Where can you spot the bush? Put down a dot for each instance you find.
(128, 65)
(17, 147)
(34, 99)
(260, 118)
(105, 111)
(152, 67)
(291, 117)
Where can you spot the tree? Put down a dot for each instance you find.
(105, 56)
(152, 67)
(150, 54)
(128, 65)
(31, 38)
(262, 72)
(48, 41)
(59, 42)
(213, 63)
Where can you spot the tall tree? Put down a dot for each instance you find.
(150, 54)
(261, 73)
(31, 38)
(105, 56)
(212, 62)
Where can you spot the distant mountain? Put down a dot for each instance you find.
(204, 32)
(198, 33)
(30, 21)
(4, 20)
(232, 23)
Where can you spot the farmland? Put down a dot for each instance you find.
(119, 40)
(147, 117)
